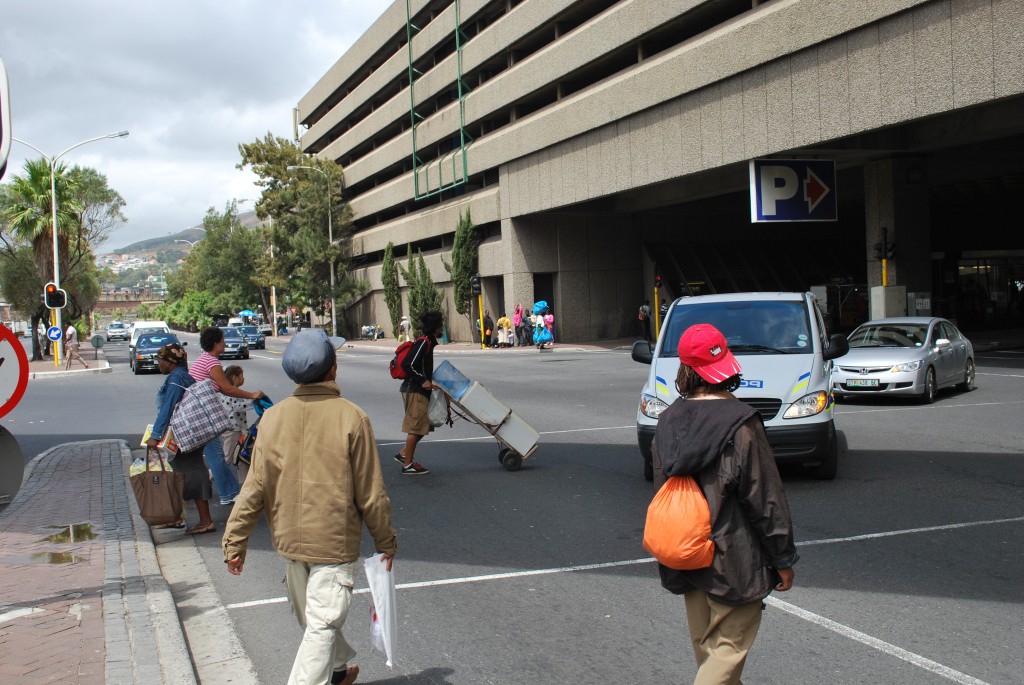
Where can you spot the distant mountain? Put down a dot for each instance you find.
(164, 243)
(152, 245)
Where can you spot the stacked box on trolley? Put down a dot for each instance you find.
(498, 419)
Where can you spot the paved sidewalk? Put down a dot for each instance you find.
(82, 599)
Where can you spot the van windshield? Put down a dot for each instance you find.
(751, 327)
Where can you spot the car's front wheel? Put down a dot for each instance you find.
(829, 465)
(968, 382)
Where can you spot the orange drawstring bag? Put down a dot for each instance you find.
(678, 528)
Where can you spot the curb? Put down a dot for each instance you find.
(175, 659)
(43, 375)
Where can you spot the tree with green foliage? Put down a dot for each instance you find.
(222, 268)
(301, 205)
(424, 295)
(190, 312)
(463, 265)
(87, 210)
(392, 291)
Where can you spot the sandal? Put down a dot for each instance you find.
(200, 529)
(346, 677)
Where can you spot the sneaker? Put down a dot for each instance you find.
(414, 469)
(400, 459)
(227, 502)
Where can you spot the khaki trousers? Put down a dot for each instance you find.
(721, 634)
(320, 596)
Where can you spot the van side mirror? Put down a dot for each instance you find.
(838, 345)
(642, 352)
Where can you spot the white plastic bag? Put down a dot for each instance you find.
(437, 410)
(383, 619)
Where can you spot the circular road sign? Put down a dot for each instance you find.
(13, 370)
(53, 333)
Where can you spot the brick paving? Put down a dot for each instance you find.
(81, 595)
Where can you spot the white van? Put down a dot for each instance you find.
(141, 327)
(781, 342)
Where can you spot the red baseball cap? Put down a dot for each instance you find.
(703, 348)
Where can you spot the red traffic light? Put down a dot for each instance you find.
(54, 297)
(657, 281)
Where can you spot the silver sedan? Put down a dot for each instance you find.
(908, 355)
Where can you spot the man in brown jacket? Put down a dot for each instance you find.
(316, 473)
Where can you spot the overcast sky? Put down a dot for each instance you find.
(190, 80)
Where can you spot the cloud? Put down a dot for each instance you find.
(190, 80)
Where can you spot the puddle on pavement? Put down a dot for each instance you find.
(70, 533)
(73, 532)
(44, 558)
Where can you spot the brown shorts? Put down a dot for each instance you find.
(416, 421)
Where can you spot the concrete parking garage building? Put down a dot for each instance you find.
(598, 144)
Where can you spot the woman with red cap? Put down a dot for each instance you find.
(709, 434)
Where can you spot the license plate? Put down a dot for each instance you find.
(862, 382)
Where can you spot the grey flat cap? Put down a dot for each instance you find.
(309, 355)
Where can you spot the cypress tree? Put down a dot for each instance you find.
(392, 291)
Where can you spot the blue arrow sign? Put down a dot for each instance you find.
(53, 333)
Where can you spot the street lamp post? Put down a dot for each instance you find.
(52, 161)
(330, 239)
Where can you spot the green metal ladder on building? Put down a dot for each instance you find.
(424, 185)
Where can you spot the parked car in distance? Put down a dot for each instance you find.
(912, 356)
(253, 337)
(235, 346)
(266, 329)
(143, 358)
(116, 330)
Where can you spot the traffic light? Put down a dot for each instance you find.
(54, 297)
(474, 284)
(657, 282)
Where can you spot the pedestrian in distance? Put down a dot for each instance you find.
(44, 340)
(71, 348)
(708, 434)
(172, 361)
(211, 340)
(416, 389)
(316, 475)
(504, 328)
(405, 329)
(518, 314)
(488, 335)
(644, 315)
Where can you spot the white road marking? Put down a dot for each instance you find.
(491, 437)
(843, 630)
(18, 613)
(846, 409)
(1001, 375)
(875, 643)
(911, 531)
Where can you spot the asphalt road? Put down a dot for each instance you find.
(912, 568)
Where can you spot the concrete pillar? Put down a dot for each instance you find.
(896, 206)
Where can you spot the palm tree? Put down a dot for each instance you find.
(28, 211)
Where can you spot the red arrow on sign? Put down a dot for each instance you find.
(814, 190)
